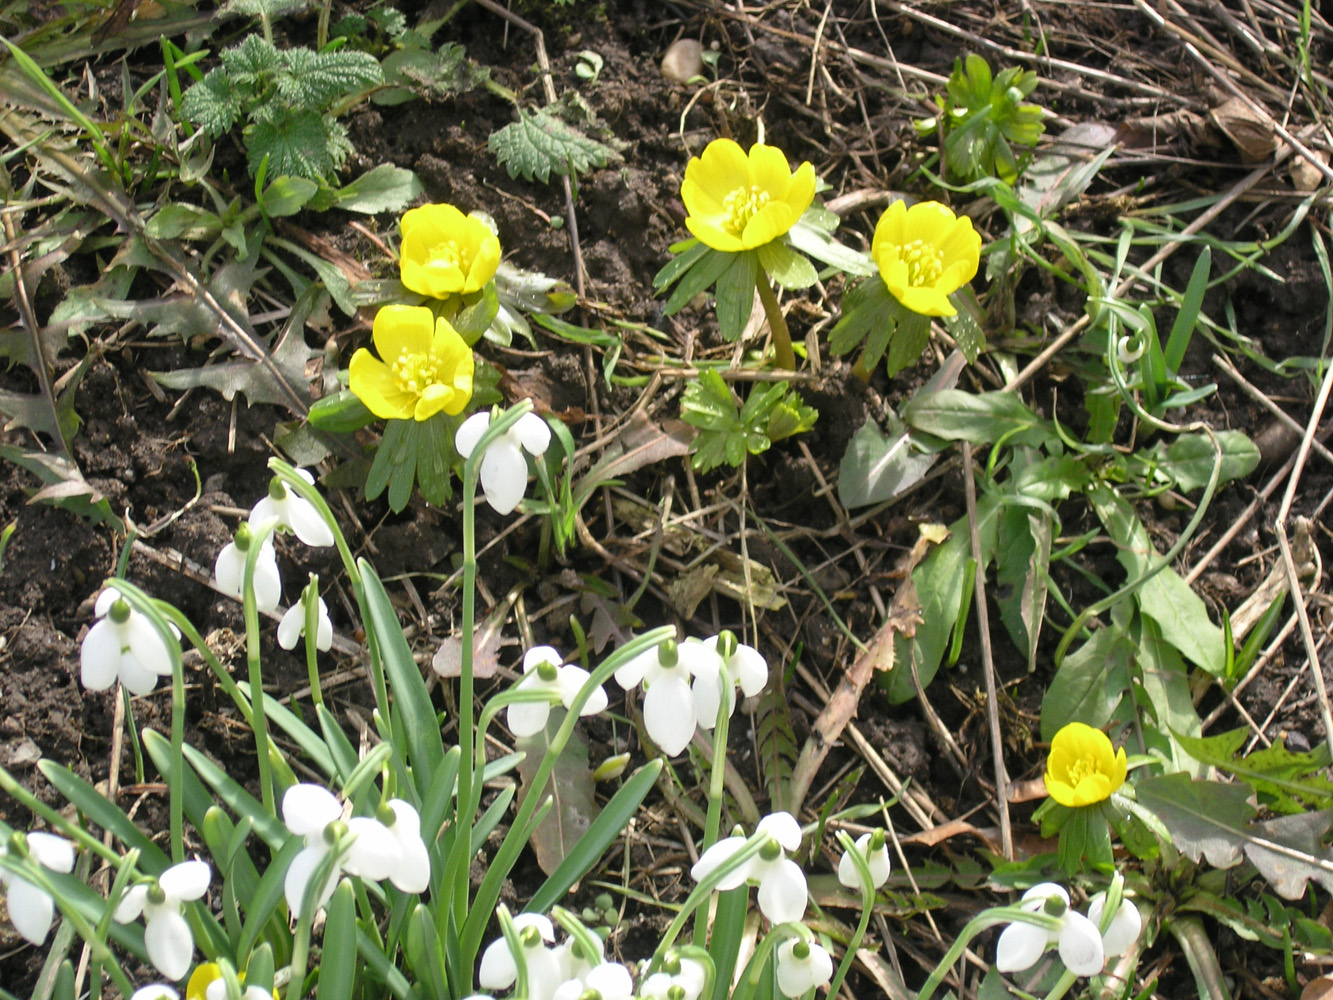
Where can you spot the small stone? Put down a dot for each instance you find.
(683, 61)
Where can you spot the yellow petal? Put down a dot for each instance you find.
(712, 235)
(721, 169)
(925, 300)
(400, 329)
(802, 190)
(769, 170)
(372, 382)
(890, 230)
(485, 260)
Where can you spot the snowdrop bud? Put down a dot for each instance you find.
(297, 514)
(1130, 349)
(877, 858)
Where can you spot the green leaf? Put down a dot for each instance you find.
(1207, 819)
(701, 272)
(1189, 459)
(689, 254)
(588, 851)
(1166, 683)
(340, 413)
(102, 812)
(183, 222)
(877, 467)
(302, 145)
(313, 80)
(412, 716)
(1089, 684)
(337, 964)
(288, 195)
(866, 306)
(214, 103)
(910, 337)
(1173, 353)
(1022, 559)
(735, 295)
(1290, 782)
(386, 188)
(813, 240)
(539, 144)
(787, 267)
(981, 418)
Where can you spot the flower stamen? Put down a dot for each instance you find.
(742, 205)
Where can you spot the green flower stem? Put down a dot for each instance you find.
(716, 787)
(983, 920)
(310, 597)
(220, 672)
(777, 324)
(867, 908)
(259, 721)
(10, 786)
(862, 370)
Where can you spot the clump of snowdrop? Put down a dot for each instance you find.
(782, 888)
(504, 470)
(284, 509)
(802, 966)
(366, 847)
(681, 978)
(166, 933)
(31, 908)
(544, 669)
(1079, 939)
(229, 570)
(873, 847)
(499, 966)
(670, 704)
(123, 645)
(292, 627)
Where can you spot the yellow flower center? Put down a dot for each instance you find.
(415, 372)
(741, 206)
(1084, 767)
(925, 263)
(446, 254)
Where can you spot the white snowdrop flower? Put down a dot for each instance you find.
(802, 966)
(217, 990)
(670, 711)
(504, 470)
(499, 969)
(746, 666)
(292, 627)
(155, 991)
(544, 670)
(1078, 939)
(297, 514)
(608, 980)
(684, 974)
(166, 932)
(1130, 349)
(876, 855)
(312, 812)
(1124, 928)
(229, 570)
(412, 872)
(31, 908)
(122, 645)
(782, 889)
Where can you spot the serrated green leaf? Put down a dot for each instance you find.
(1290, 781)
(214, 103)
(313, 80)
(540, 144)
(301, 145)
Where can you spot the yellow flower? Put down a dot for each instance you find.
(738, 202)
(446, 252)
(1083, 767)
(200, 980)
(426, 368)
(924, 253)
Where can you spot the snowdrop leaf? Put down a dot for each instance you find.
(236, 798)
(337, 964)
(313, 747)
(263, 902)
(101, 812)
(603, 831)
(571, 786)
(424, 955)
(413, 716)
(335, 740)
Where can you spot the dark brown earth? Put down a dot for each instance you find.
(137, 445)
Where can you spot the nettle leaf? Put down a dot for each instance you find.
(214, 103)
(314, 80)
(302, 145)
(1290, 782)
(252, 62)
(539, 144)
(270, 9)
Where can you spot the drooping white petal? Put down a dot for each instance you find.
(105, 599)
(1043, 891)
(783, 828)
(708, 698)
(749, 669)
(698, 659)
(498, 970)
(669, 714)
(374, 853)
(146, 644)
(465, 441)
(797, 976)
(131, 904)
(134, 676)
(308, 808)
(268, 581)
(99, 658)
(527, 718)
(570, 681)
(169, 942)
(30, 909)
(299, 874)
(716, 856)
(412, 873)
(611, 979)
(538, 655)
(1125, 925)
(52, 852)
(304, 520)
(504, 474)
(782, 891)
(1019, 947)
(570, 989)
(291, 626)
(533, 433)
(878, 862)
(1081, 945)
(633, 672)
(229, 570)
(544, 973)
(155, 991)
(187, 880)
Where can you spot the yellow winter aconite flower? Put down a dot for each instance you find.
(737, 201)
(427, 367)
(1083, 768)
(925, 253)
(446, 252)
